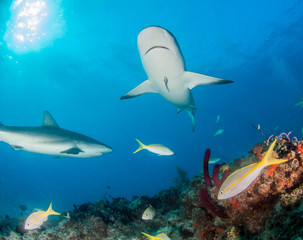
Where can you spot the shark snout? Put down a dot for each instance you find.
(153, 38)
(107, 149)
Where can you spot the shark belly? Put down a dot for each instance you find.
(165, 70)
(48, 148)
(34, 142)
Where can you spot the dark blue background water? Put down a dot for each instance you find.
(90, 59)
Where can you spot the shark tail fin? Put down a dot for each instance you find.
(194, 79)
(268, 159)
(191, 113)
(141, 146)
(191, 109)
(145, 87)
(50, 211)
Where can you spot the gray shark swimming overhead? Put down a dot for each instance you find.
(165, 68)
(50, 139)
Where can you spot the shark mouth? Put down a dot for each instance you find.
(156, 47)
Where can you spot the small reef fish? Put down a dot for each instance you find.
(218, 119)
(149, 213)
(219, 132)
(36, 219)
(214, 160)
(155, 148)
(67, 216)
(224, 168)
(239, 180)
(161, 236)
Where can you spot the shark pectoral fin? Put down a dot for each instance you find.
(195, 79)
(74, 150)
(16, 147)
(145, 87)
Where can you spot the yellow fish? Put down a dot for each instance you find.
(161, 236)
(149, 213)
(155, 148)
(36, 219)
(239, 180)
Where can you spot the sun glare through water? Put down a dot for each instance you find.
(33, 25)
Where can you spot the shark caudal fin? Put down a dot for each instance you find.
(268, 159)
(194, 79)
(142, 146)
(191, 110)
(191, 113)
(50, 211)
(145, 87)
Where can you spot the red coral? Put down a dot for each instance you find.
(237, 204)
(272, 170)
(201, 234)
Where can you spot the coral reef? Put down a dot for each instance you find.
(270, 208)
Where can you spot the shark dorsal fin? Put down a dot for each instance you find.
(48, 120)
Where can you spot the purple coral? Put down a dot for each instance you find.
(205, 198)
(280, 137)
(204, 195)
(270, 137)
(216, 179)
(294, 139)
(286, 136)
(207, 178)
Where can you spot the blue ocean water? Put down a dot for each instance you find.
(88, 59)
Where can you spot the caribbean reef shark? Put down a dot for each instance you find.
(50, 139)
(164, 65)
